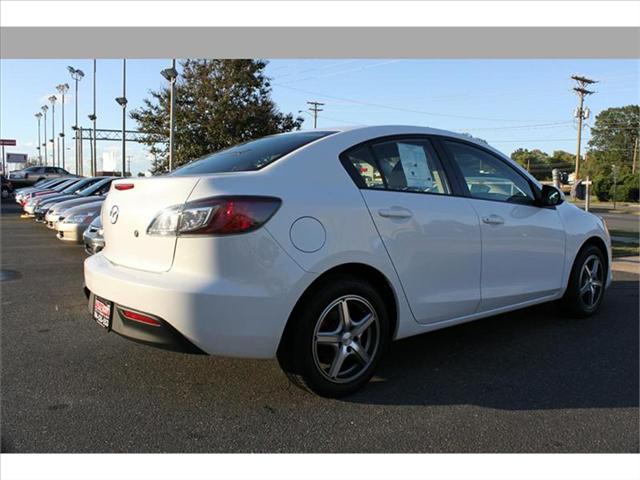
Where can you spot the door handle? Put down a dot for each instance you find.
(395, 212)
(493, 220)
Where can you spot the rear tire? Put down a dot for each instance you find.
(586, 287)
(336, 337)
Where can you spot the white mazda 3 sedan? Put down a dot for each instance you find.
(321, 247)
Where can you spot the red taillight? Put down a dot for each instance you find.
(139, 317)
(124, 186)
(236, 214)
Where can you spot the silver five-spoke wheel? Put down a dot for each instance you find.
(346, 339)
(591, 281)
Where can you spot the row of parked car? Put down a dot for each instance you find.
(70, 206)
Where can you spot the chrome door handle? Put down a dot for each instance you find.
(395, 212)
(493, 220)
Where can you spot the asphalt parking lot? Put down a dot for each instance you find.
(529, 381)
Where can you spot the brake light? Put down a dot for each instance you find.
(139, 317)
(124, 186)
(215, 216)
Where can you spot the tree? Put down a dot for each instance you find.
(533, 160)
(218, 103)
(612, 140)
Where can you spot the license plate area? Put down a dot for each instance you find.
(102, 312)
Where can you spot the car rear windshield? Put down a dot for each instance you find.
(252, 155)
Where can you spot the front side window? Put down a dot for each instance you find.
(489, 178)
(252, 155)
(50, 170)
(410, 165)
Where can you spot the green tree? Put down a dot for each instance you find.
(536, 161)
(612, 139)
(218, 103)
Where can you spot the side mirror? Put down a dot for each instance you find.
(550, 196)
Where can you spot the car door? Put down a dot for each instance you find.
(522, 243)
(431, 236)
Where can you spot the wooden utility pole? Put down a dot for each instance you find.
(314, 109)
(582, 92)
(635, 156)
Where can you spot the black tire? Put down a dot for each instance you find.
(574, 303)
(299, 354)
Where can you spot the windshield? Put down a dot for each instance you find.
(252, 155)
(74, 187)
(96, 187)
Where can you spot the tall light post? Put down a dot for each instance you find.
(122, 101)
(93, 118)
(53, 99)
(63, 88)
(77, 75)
(171, 74)
(39, 117)
(44, 109)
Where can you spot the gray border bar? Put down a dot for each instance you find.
(320, 42)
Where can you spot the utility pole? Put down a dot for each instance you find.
(614, 172)
(44, 109)
(314, 109)
(63, 88)
(171, 74)
(39, 117)
(77, 75)
(581, 113)
(635, 156)
(122, 101)
(53, 99)
(93, 117)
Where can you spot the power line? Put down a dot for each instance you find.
(401, 109)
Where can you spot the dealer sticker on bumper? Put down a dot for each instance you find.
(102, 312)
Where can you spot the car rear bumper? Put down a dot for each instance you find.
(162, 336)
(236, 317)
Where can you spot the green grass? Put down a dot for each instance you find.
(625, 250)
(624, 233)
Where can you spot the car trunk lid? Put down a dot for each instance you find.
(127, 212)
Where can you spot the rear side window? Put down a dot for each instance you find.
(252, 155)
(405, 165)
(365, 166)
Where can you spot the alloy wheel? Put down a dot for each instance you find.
(591, 281)
(346, 339)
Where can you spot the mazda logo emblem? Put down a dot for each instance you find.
(113, 214)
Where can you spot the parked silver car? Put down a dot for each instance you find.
(92, 237)
(76, 221)
(31, 175)
(95, 193)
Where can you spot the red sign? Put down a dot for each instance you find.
(7, 142)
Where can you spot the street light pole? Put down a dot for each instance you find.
(76, 75)
(93, 117)
(63, 88)
(39, 116)
(171, 74)
(53, 99)
(44, 109)
(122, 101)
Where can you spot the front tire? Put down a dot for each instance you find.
(586, 284)
(337, 337)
